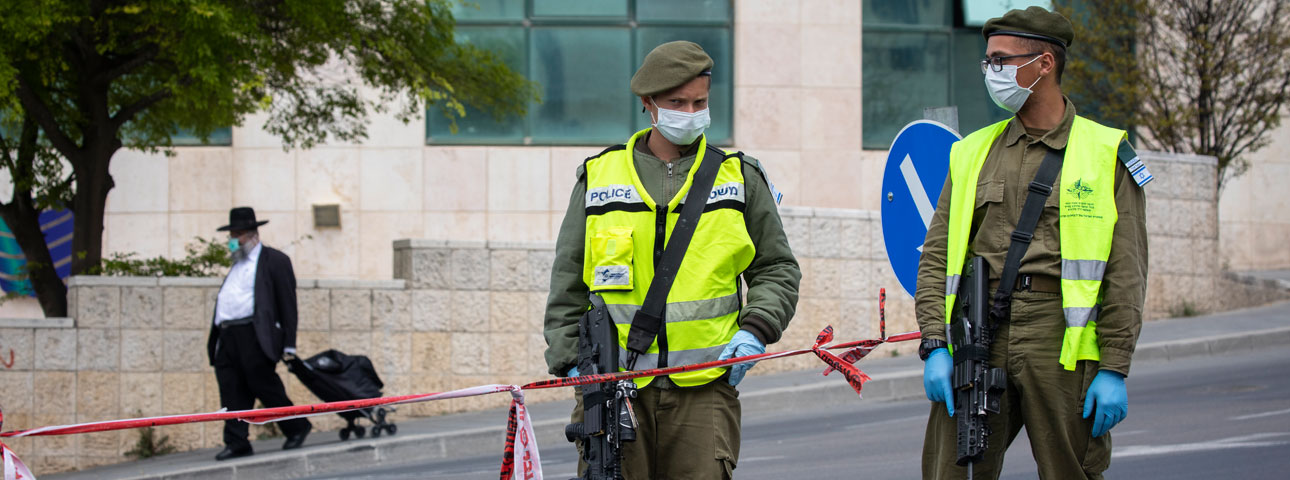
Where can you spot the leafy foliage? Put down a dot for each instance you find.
(80, 79)
(206, 258)
(1195, 76)
(149, 444)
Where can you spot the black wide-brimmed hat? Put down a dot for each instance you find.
(241, 219)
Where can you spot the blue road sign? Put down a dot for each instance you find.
(917, 165)
(57, 226)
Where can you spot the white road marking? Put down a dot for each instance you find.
(1261, 415)
(921, 200)
(886, 422)
(1248, 441)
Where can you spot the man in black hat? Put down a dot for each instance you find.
(1066, 286)
(254, 326)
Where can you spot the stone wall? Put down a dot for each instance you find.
(1254, 208)
(465, 313)
(1186, 271)
(137, 346)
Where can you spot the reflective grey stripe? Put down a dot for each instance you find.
(600, 196)
(702, 309)
(1083, 269)
(951, 285)
(674, 357)
(681, 311)
(727, 191)
(1079, 316)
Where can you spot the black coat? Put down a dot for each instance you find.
(275, 306)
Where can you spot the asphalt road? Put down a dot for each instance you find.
(1197, 418)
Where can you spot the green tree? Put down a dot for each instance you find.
(81, 79)
(1210, 77)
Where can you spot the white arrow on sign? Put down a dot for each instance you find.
(921, 200)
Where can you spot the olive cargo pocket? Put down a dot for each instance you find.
(611, 256)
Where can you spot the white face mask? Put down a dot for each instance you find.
(1003, 87)
(679, 127)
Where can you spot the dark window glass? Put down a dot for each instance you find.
(582, 54)
(683, 11)
(907, 12)
(584, 73)
(219, 137)
(488, 10)
(903, 73)
(580, 8)
(508, 42)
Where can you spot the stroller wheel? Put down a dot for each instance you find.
(392, 428)
(376, 431)
(380, 416)
(344, 434)
(360, 431)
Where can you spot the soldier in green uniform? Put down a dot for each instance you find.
(624, 205)
(1076, 308)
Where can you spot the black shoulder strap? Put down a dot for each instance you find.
(649, 319)
(1040, 189)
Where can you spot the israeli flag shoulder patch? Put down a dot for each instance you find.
(1129, 157)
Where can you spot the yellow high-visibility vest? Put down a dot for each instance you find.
(1086, 225)
(625, 236)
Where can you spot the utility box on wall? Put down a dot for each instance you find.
(327, 216)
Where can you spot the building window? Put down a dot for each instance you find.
(222, 137)
(925, 53)
(582, 54)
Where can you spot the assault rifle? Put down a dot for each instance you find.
(608, 420)
(977, 387)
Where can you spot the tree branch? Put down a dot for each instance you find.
(40, 112)
(127, 63)
(128, 112)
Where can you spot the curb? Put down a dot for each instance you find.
(901, 384)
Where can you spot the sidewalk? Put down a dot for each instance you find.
(482, 433)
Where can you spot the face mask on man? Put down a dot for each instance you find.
(234, 245)
(1003, 87)
(681, 128)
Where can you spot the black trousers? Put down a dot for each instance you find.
(245, 374)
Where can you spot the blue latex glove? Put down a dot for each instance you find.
(744, 344)
(936, 378)
(1108, 400)
(573, 371)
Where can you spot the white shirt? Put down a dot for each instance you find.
(237, 297)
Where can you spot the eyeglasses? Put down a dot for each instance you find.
(996, 63)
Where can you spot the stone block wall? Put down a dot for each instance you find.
(1185, 269)
(1182, 229)
(137, 347)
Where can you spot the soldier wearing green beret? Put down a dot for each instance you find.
(625, 203)
(1067, 326)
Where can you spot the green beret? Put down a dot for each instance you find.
(670, 65)
(1035, 22)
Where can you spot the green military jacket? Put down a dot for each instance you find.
(1001, 191)
(771, 280)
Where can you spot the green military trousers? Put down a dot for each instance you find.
(1041, 396)
(682, 433)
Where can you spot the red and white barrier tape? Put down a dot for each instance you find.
(520, 459)
(13, 467)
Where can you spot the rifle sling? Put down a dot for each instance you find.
(1040, 188)
(648, 321)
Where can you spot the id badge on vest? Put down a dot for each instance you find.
(611, 256)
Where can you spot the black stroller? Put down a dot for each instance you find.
(335, 377)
